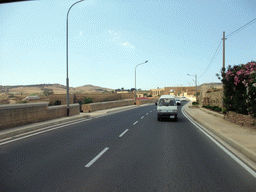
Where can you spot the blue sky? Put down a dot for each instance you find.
(108, 38)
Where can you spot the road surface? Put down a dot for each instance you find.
(126, 151)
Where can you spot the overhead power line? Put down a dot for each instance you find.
(230, 34)
(243, 27)
(212, 59)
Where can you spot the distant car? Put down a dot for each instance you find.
(167, 108)
(177, 101)
(183, 99)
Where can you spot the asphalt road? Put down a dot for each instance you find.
(126, 151)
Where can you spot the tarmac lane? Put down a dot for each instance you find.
(126, 151)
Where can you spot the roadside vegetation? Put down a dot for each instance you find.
(56, 102)
(239, 84)
(195, 103)
(87, 100)
(214, 108)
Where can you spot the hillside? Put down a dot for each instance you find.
(52, 88)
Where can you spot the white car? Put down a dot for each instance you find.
(183, 99)
(167, 108)
(177, 101)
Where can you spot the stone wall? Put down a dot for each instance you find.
(127, 95)
(213, 98)
(204, 88)
(23, 114)
(98, 97)
(86, 108)
(179, 90)
(78, 98)
(144, 101)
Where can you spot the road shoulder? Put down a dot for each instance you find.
(239, 140)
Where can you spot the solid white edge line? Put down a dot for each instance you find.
(39, 132)
(135, 123)
(142, 117)
(97, 157)
(146, 113)
(246, 167)
(123, 132)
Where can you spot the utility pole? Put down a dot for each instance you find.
(223, 68)
(196, 81)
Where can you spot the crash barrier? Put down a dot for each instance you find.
(23, 114)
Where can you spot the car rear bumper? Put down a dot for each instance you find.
(167, 114)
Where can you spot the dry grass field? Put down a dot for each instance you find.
(15, 94)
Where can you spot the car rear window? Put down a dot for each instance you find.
(166, 102)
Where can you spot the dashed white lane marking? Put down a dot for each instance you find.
(142, 117)
(135, 123)
(123, 132)
(147, 114)
(97, 157)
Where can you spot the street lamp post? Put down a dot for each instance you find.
(67, 80)
(195, 79)
(135, 81)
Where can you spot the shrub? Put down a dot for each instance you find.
(56, 102)
(47, 92)
(239, 88)
(214, 108)
(195, 103)
(87, 100)
(208, 107)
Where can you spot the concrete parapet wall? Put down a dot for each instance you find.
(86, 108)
(22, 114)
(144, 101)
(78, 98)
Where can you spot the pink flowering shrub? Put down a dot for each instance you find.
(239, 88)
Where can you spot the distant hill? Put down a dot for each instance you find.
(55, 88)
